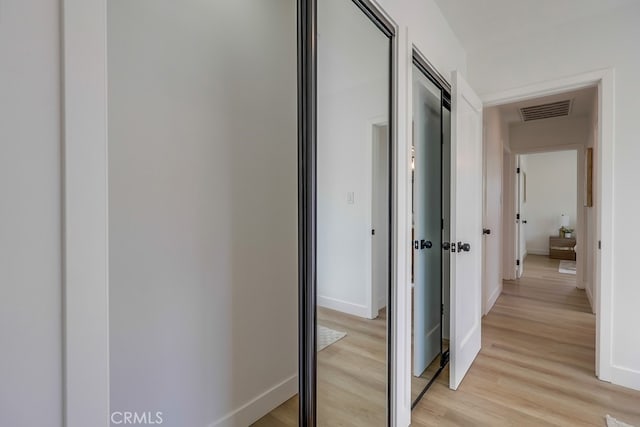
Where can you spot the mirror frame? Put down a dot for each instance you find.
(307, 202)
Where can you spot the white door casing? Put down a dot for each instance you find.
(520, 224)
(466, 228)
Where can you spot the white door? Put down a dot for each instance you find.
(466, 228)
(427, 218)
(520, 221)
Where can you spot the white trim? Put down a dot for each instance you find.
(587, 288)
(402, 252)
(509, 195)
(549, 149)
(85, 234)
(493, 298)
(604, 80)
(549, 87)
(625, 377)
(359, 310)
(262, 404)
(372, 294)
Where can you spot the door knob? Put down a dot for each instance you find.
(524, 221)
(486, 231)
(464, 247)
(446, 246)
(422, 244)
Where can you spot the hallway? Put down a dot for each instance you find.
(536, 366)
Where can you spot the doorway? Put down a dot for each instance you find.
(597, 145)
(550, 219)
(379, 218)
(431, 169)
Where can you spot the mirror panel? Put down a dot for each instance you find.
(353, 156)
(430, 265)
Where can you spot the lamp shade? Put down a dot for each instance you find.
(564, 220)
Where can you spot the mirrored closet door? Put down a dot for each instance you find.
(431, 247)
(354, 154)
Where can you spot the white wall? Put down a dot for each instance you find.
(591, 218)
(430, 32)
(203, 208)
(606, 40)
(353, 93)
(30, 215)
(495, 138)
(35, 88)
(549, 134)
(551, 191)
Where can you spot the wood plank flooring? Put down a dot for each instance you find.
(352, 376)
(536, 367)
(419, 383)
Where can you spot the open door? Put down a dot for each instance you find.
(520, 221)
(427, 218)
(466, 228)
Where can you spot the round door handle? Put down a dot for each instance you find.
(486, 231)
(425, 244)
(466, 247)
(446, 246)
(524, 221)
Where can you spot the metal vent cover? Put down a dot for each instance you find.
(546, 111)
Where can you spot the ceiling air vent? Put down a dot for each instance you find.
(546, 111)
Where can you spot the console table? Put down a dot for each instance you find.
(562, 248)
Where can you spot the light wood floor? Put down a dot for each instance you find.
(419, 383)
(536, 367)
(352, 376)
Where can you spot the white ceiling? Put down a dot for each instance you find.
(581, 107)
(481, 23)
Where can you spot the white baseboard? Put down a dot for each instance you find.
(625, 377)
(587, 288)
(344, 306)
(261, 405)
(493, 298)
(544, 252)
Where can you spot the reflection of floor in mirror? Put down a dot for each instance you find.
(419, 383)
(352, 376)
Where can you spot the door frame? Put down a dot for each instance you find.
(419, 60)
(307, 205)
(509, 199)
(520, 255)
(372, 291)
(581, 225)
(604, 81)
